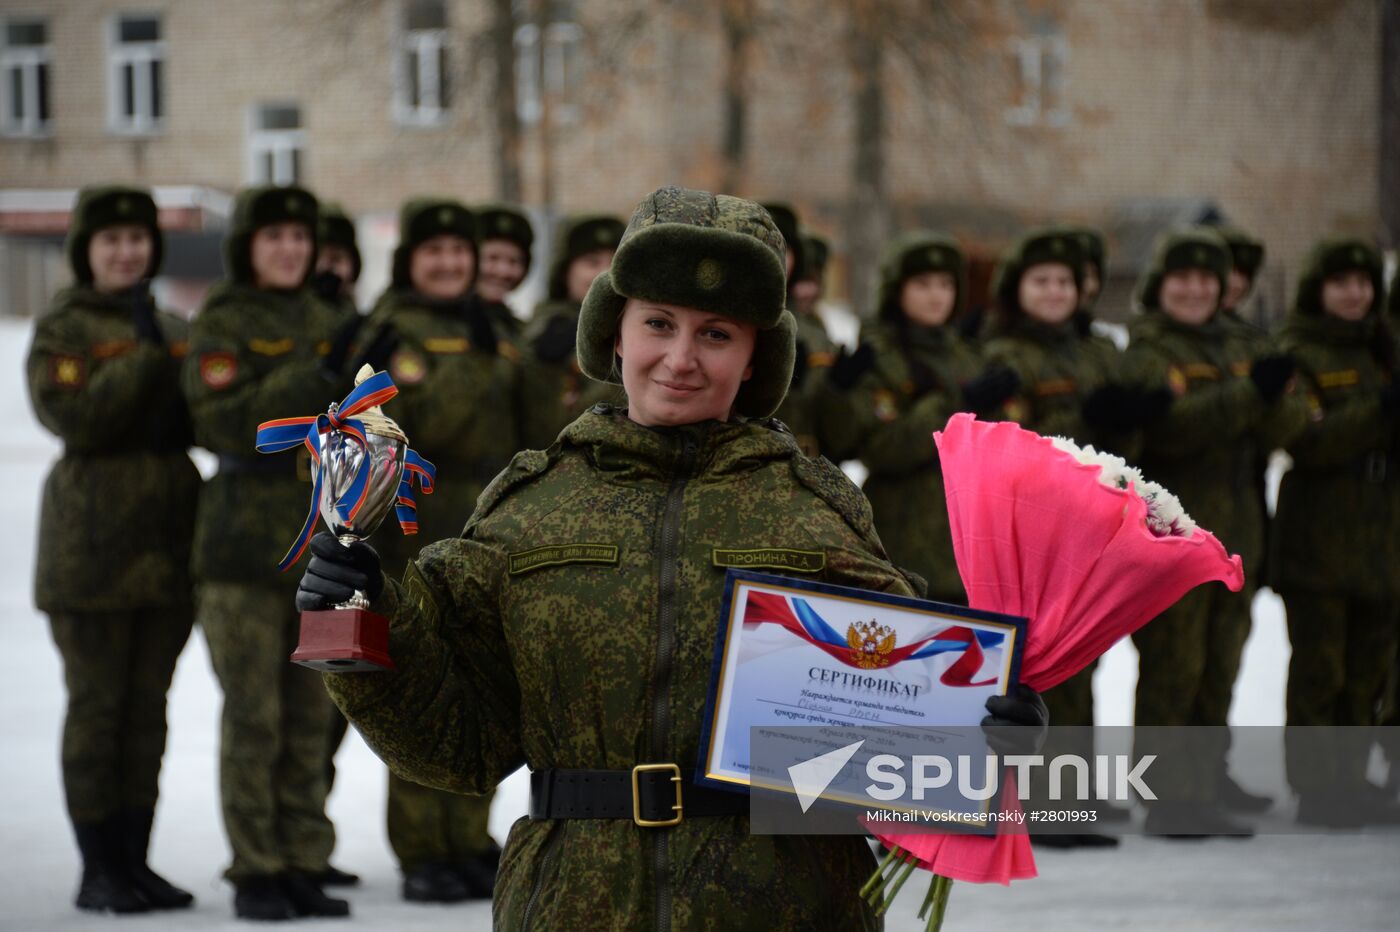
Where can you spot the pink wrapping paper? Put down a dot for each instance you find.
(1036, 534)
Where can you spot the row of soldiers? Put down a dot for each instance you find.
(133, 549)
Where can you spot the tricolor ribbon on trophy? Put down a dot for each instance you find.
(361, 466)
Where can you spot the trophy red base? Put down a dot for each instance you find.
(343, 640)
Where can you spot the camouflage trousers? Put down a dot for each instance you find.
(428, 826)
(276, 725)
(117, 667)
(1189, 657)
(1343, 653)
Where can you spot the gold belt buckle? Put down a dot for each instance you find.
(675, 771)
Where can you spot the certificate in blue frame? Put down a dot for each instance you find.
(880, 640)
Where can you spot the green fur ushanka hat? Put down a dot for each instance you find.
(502, 221)
(714, 253)
(421, 219)
(915, 253)
(1246, 252)
(337, 229)
(1192, 248)
(1091, 243)
(785, 219)
(1332, 257)
(1039, 247)
(101, 206)
(815, 252)
(577, 236)
(262, 206)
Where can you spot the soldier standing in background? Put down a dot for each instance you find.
(112, 570)
(337, 260)
(257, 353)
(922, 373)
(1203, 450)
(553, 389)
(458, 380)
(504, 242)
(1336, 556)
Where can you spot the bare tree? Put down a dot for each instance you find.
(506, 112)
(737, 19)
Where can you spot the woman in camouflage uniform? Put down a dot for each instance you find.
(458, 402)
(1336, 547)
(114, 535)
(554, 389)
(571, 626)
(1231, 401)
(923, 373)
(257, 352)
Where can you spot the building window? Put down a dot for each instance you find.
(136, 94)
(551, 67)
(24, 68)
(276, 145)
(1039, 75)
(423, 80)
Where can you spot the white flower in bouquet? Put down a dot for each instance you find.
(1165, 516)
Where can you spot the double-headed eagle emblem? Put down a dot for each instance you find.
(871, 643)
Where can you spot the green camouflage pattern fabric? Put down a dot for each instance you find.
(255, 356)
(275, 726)
(895, 430)
(702, 209)
(1337, 526)
(554, 393)
(125, 487)
(807, 405)
(117, 667)
(458, 405)
(507, 656)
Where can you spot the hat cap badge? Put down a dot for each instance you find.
(444, 216)
(709, 274)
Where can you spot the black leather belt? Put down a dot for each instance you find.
(651, 795)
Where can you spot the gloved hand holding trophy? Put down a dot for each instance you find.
(362, 466)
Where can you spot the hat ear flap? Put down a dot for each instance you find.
(598, 321)
(774, 354)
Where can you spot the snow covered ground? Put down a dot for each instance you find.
(1268, 883)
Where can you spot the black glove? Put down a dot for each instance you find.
(1153, 404)
(1270, 374)
(1018, 724)
(326, 285)
(377, 354)
(991, 388)
(799, 365)
(557, 340)
(1117, 408)
(1390, 399)
(336, 572)
(341, 341)
(846, 371)
(143, 315)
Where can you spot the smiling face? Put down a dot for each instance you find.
(679, 365)
(928, 298)
(1190, 296)
(280, 254)
(119, 256)
(1047, 292)
(441, 268)
(502, 269)
(1348, 295)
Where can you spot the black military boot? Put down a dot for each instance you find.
(333, 876)
(105, 886)
(1181, 821)
(1235, 798)
(261, 899)
(135, 827)
(435, 883)
(307, 897)
(1079, 840)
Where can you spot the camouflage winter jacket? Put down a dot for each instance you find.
(573, 625)
(255, 355)
(896, 418)
(804, 410)
(1206, 448)
(118, 508)
(458, 403)
(1337, 527)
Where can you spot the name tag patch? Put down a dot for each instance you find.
(773, 558)
(561, 554)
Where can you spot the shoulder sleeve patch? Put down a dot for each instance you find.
(68, 371)
(218, 370)
(418, 593)
(832, 486)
